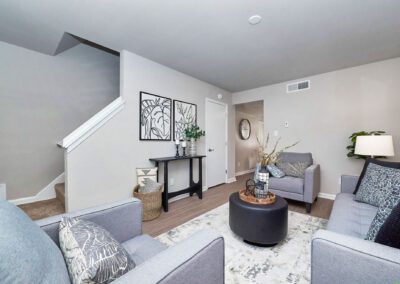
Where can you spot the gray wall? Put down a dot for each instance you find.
(42, 99)
(246, 151)
(339, 103)
(103, 168)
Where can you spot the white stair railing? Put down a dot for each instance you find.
(89, 127)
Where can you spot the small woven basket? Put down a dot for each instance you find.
(151, 202)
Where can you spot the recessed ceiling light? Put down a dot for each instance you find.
(255, 19)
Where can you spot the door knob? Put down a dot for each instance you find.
(210, 150)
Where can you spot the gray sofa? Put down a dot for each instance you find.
(198, 259)
(305, 190)
(341, 255)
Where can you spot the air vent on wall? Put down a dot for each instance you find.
(298, 86)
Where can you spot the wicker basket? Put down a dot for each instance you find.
(151, 202)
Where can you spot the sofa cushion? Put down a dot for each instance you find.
(350, 217)
(275, 171)
(394, 165)
(294, 169)
(390, 231)
(377, 184)
(91, 253)
(296, 157)
(27, 254)
(143, 247)
(383, 212)
(287, 183)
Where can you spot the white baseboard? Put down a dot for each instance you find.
(327, 195)
(245, 172)
(230, 180)
(46, 193)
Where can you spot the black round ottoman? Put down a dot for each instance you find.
(264, 225)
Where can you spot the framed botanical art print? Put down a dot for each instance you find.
(155, 117)
(185, 114)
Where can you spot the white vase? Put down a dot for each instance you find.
(261, 192)
(192, 147)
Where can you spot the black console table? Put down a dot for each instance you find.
(194, 187)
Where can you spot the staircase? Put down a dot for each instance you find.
(60, 192)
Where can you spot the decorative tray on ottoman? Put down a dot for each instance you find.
(250, 198)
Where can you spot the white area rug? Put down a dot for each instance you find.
(287, 262)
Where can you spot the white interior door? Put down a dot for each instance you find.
(216, 142)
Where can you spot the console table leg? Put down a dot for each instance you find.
(200, 183)
(191, 182)
(165, 193)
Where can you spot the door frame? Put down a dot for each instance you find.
(208, 100)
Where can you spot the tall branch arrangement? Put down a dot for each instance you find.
(267, 158)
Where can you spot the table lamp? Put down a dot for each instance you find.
(374, 145)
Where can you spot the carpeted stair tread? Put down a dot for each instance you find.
(60, 192)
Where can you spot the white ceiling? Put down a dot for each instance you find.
(211, 39)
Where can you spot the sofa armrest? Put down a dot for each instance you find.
(348, 183)
(197, 260)
(337, 258)
(312, 183)
(123, 219)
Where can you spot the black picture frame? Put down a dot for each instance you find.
(154, 109)
(179, 126)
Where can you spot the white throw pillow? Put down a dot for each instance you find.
(146, 173)
(91, 253)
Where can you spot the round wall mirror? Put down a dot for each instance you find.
(244, 129)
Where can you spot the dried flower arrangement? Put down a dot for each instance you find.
(266, 158)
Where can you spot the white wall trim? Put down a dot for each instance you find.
(327, 195)
(3, 191)
(230, 180)
(92, 125)
(245, 172)
(46, 193)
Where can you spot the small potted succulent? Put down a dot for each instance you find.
(192, 133)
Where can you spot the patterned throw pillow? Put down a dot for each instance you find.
(91, 253)
(275, 171)
(294, 169)
(149, 186)
(383, 213)
(146, 173)
(377, 183)
(395, 165)
(390, 231)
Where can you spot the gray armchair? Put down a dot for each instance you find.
(301, 189)
(198, 259)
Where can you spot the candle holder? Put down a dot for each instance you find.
(184, 151)
(177, 150)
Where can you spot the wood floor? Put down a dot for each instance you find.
(184, 209)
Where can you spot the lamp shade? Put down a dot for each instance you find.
(374, 145)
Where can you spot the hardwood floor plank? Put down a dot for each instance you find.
(185, 209)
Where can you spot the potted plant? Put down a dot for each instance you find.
(352, 146)
(192, 133)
